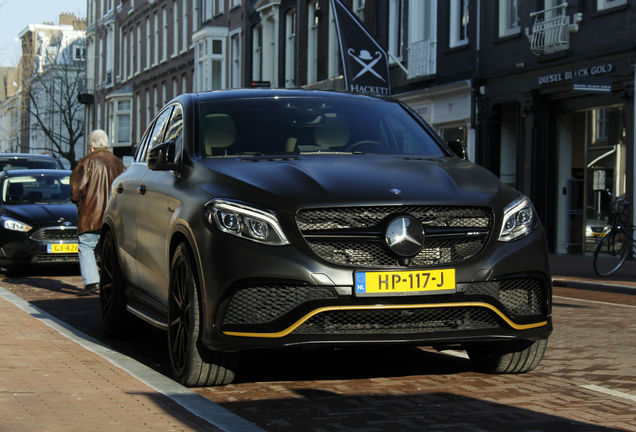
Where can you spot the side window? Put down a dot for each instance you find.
(141, 149)
(156, 136)
(174, 131)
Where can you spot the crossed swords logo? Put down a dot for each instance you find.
(366, 61)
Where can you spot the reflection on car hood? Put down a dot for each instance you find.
(302, 181)
(41, 214)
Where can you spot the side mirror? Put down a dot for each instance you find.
(458, 148)
(161, 156)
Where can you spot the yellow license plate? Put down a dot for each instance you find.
(437, 281)
(62, 248)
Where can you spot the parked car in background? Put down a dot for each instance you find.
(286, 218)
(13, 161)
(37, 218)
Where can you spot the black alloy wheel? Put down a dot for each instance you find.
(192, 365)
(114, 317)
(509, 357)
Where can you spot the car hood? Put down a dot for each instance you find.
(42, 214)
(289, 183)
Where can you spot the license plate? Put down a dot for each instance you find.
(437, 281)
(62, 248)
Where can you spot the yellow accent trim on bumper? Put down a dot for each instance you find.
(294, 326)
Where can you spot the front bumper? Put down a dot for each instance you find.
(258, 296)
(50, 245)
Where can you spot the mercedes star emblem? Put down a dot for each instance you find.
(404, 236)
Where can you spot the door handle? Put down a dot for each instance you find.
(120, 188)
(142, 189)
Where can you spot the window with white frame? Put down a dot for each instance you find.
(184, 83)
(121, 73)
(207, 10)
(459, 18)
(421, 49)
(358, 8)
(508, 18)
(184, 25)
(138, 119)
(396, 28)
(156, 38)
(218, 7)
(290, 48)
(234, 3)
(235, 56)
(164, 35)
(164, 93)
(98, 67)
(148, 107)
(121, 112)
(196, 6)
(312, 42)
(148, 43)
(175, 87)
(257, 53)
(109, 52)
(608, 4)
(124, 56)
(175, 28)
(155, 99)
(210, 63)
(131, 47)
(138, 65)
(334, 49)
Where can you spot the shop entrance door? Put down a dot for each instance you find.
(591, 164)
(604, 169)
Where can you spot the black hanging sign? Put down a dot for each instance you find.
(364, 62)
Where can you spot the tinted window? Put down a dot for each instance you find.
(156, 136)
(175, 129)
(311, 125)
(36, 188)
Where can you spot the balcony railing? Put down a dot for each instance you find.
(551, 30)
(422, 58)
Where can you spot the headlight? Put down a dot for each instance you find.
(519, 220)
(14, 225)
(247, 222)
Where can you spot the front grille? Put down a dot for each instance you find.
(56, 258)
(396, 321)
(520, 296)
(354, 236)
(265, 303)
(55, 234)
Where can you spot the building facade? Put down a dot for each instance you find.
(51, 65)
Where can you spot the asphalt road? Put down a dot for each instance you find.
(586, 382)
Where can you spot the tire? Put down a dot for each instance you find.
(508, 358)
(192, 365)
(611, 252)
(114, 317)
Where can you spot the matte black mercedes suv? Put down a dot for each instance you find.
(285, 218)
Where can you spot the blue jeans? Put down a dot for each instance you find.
(87, 261)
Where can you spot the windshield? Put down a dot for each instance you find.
(23, 163)
(36, 188)
(311, 125)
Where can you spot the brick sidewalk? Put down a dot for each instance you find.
(50, 383)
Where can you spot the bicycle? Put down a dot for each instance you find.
(617, 245)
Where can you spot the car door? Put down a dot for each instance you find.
(157, 204)
(124, 205)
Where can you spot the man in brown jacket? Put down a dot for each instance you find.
(91, 181)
